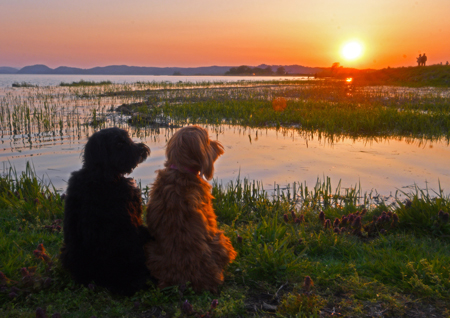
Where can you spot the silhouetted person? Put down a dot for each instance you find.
(419, 60)
(446, 63)
(424, 59)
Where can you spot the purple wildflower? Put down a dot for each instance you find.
(214, 303)
(187, 307)
(394, 218)
(408, 204)
(293, 215)
(322, 217)
(351, 218)
(357, 222)
(336, 222)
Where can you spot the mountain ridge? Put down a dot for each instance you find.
(8, 70)
(144, 70)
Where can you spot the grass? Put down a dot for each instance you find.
(387, 261)
(23, 84)
(434, 75)
(334, 108)
(85, 83)
(412, 76)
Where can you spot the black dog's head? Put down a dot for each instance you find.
(112, 152)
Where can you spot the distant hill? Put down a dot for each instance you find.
(125, 70)
(140, 70)
(8, 70)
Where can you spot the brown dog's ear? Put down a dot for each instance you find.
(212, 152)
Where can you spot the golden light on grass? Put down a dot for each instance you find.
(352, 50)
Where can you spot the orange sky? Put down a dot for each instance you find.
(204, 32)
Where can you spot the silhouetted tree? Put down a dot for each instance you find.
(281, 71)
(334, 67)
(246, 70)
(268, 70)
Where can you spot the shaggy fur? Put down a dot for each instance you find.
(103, 231)
(188, 245)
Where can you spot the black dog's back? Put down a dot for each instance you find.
(103, 231)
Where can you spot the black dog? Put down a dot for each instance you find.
(103, 231)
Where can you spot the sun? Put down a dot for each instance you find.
(352, 50)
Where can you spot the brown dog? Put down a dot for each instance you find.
(188, 246)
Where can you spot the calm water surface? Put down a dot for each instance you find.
(270, 156)
(6, 80)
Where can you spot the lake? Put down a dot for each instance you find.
(272, 156)
(6, 80)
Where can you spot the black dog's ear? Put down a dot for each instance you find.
(95, 153)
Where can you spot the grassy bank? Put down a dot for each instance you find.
(434, 75)
(308, 252)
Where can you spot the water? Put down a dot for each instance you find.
(6, 80)
(271, 156)
(53, 142)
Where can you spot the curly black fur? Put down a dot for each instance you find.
(103, 231)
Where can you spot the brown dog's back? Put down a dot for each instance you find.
(188, 245)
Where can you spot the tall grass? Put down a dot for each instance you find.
(283, 242)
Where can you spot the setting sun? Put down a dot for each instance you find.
(352, 50)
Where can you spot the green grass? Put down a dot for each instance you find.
(330, 107)
(332, 119)
(85, 83)
(23, 84)
(434, 75)
(398, 268)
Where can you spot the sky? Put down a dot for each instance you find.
(192, 33)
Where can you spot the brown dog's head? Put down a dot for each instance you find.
(191, 149)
